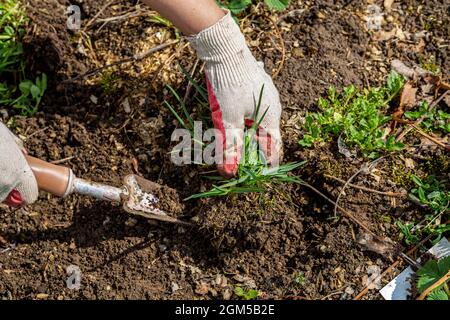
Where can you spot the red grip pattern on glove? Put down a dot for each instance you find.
(228, 167)
(14, 199)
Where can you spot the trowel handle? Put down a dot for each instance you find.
(60, 181)
(51, 178)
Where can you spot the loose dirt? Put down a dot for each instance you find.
(286, 242)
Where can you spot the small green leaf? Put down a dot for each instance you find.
(431, 272)
(438, 295)
(277, 4)
(25, 86)
(35, 91)
(237, 6)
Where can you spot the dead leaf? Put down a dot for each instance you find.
(444, 85)
(41, 296)
(202, 288)
(407, 99)
(408, 96)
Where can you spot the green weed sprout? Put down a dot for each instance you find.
(253, 171)
(12, 21)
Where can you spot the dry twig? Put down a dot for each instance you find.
(108, 4)
(365, 167)
(383, 193)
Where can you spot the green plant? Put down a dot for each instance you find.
(355, 116)
(157, 19)
(431, 272)
(12, 21)
(31, 95)
(300, 279)
(109, 81)
(238, 6)
(250, 294)
(433, 119)
(408, 233)
(429, 63)
(16, 91)
(253, 173)
(435, 197)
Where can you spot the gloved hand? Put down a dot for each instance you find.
(18, 185)
(234, 81)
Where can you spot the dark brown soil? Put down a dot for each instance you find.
(286, 242)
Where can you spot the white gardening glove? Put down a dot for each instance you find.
(234, 81)
(17, 182)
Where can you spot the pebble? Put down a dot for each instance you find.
(131, 222)
(94, 99)
(298, 53)
(41, 296)
(175, 287)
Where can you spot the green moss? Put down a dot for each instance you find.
(333, 168)
(400, 175)
(436, 164)
(110, 82)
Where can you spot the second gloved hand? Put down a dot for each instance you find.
(235, 80)
(17, 182)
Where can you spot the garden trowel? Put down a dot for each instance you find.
(137, 195)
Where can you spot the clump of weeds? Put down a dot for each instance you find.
(355, 118)
(15, 89)
(109, 82)
(253, 174)
(429, 63)
(434, 120)
(434, 197)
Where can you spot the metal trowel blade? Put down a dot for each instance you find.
(151, 200)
